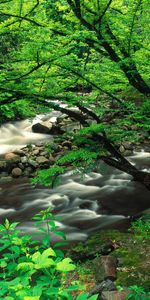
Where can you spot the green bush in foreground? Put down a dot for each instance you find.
(35, 270)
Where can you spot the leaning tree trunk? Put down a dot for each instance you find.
(139, 176)
(116, 160)
(129, 69)
(135, 78)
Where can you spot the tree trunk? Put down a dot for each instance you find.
(140, 176)
(135, 78)
(129, 69)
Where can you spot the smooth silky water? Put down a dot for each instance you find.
(82, 204)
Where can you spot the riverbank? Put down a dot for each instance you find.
(45, 145)
(115, 264)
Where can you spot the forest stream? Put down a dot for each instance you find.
(98, 200)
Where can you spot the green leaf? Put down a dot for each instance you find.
(60, 233)
(3, 264)
(32, 298)
(25, 266)
(85, 296)
(65, 265)
(48, 252)
(43, 260)
(15, 249)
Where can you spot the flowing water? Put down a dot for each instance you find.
(98, 200)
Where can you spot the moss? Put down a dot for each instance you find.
(135, 268)
(98, 242)
(132, 249)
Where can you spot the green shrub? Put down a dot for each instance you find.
(35, 270)
(137, 293)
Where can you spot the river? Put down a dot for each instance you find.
(106, 199)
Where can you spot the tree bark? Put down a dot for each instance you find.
(140, 176)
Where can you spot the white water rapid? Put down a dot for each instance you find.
(83, 205)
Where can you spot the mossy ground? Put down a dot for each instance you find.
(131, 248)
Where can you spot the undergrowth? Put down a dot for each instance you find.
(32, 269)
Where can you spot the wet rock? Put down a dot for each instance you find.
(113, 295)
(36, 152)
(61, 118)
(128, 152)
(74, 148)
(5, 179)
(65, 148)
(90, 121)
(67, 144)
(127, 146)
(3, 166)
(51, 159)
(122, 149)
(43, 153)
(16, 172)
(58, 156)
(24, 160)
(106, 285)
(56, 129)
(42, 160)
(59, 147)
(105, 268)
(134, 127)
(19, 152)
(33, 163)
(21, 166)
(28, 171)
(107, 248)
(12, 158)
(43, 127)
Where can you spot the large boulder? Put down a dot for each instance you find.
(12, 158)
(56, 129)
(105, 268)
(43, 127)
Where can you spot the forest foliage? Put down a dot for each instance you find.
(90, 55)
(50, 47)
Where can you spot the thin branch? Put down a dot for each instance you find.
(34, 7)
(38, 66)
(20, 11)
(79, 16)
(5, 1)
(104, 12)
(22, 18)
(44, 79)
(117, 10)
(75, 72)
(132, 25)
